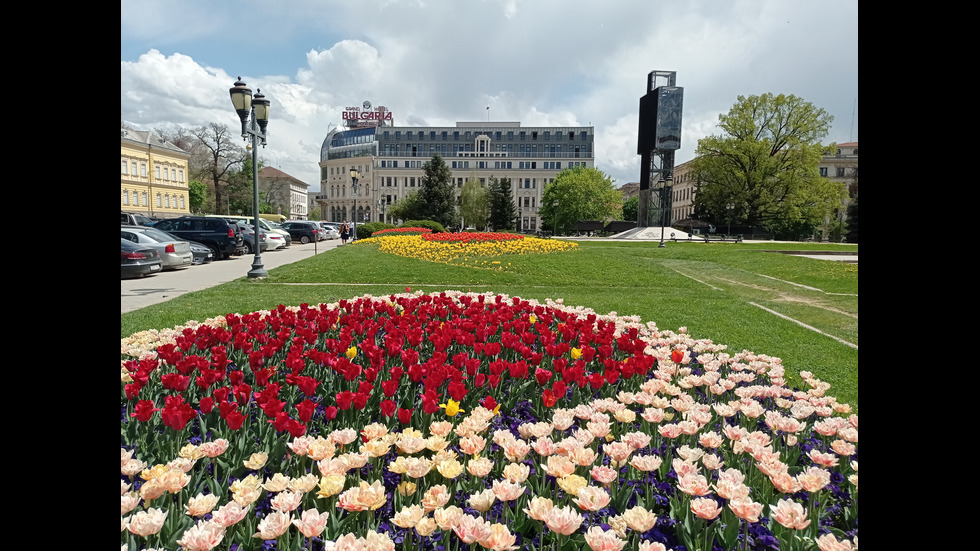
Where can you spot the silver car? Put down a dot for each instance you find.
(174, 252)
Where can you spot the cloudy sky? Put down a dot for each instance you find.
(436, 62)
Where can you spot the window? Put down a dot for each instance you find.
(159, 200)
(157, 171)
(181, 179)
(166, 173)
(146, 200)
(126, 197)
(534, 135)
(823, 171)
(143, 170)
(166, 201)
(840, 171)
(125, 167)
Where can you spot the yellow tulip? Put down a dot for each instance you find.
(452, 408)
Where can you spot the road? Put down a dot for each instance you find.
(141, 292)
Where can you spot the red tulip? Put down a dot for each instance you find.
(295, 428)
(404, 416)
(175, 381)
(235, 420)
(388, 408)
(206, 404)
(360, 400)
(548, 398)
(330, 413)
(542, 375)
(144, 410)
(677, 356)
(305, 409)
(389, 387)
(345, 399)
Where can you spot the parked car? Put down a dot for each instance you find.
(202, 253)
(134, 219)
(303, 231)
(275, 241)
(277, 228)
(266, 225)
(174, 252)
(331, 232)
(215, 233)
(250, 240)
(138, 260)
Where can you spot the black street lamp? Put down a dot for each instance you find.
(258, 108)
(381, 207)
(520, 219)
(554, 214)
(354, 175)
(729, 210)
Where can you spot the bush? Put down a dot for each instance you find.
(436, 227)
(365, 231)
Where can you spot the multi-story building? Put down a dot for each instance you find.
(390, 159)
(842, 167)
(154, 176)
(285, 192)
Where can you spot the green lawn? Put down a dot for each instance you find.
(733, 294)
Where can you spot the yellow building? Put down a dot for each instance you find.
(154, 176)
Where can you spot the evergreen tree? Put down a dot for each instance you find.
(437, 196)
(852, 221)
(503, 213)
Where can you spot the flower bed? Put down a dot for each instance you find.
(467, 248)
(464, 421)
(402, 231)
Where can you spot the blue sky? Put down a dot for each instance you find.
(436, 62)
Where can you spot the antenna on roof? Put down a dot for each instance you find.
(851, 137)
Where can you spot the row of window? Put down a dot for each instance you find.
(840, 170)
(141, 199)
(498, 135)
(162, 173)
(483, 149)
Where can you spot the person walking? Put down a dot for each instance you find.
(344, 233)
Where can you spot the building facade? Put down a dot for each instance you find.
(154, 176)
(286, 193)
(843, 167)
(390, 159)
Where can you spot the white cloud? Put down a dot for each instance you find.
(548, 62)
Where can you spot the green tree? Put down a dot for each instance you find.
(631, 208)
(582, 193)
(474, 203)
(197, 195)
(407, 208)
(765, 164)
(503, 213)
(437, 196)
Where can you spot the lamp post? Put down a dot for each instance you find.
(729, 210)
(381, 207)
(520, 219)
(554, 214)
(258, 108)
(354, 175)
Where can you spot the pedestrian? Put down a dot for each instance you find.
(344, 233)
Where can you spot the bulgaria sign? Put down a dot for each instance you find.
(356, 117)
